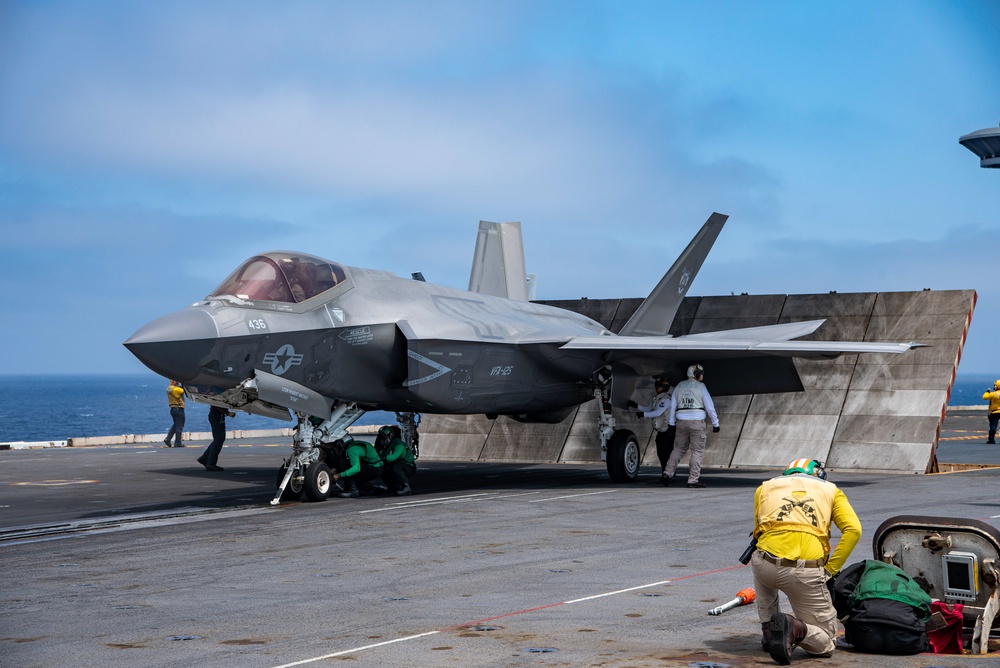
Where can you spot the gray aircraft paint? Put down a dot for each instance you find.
(375, 341)
(401, 345)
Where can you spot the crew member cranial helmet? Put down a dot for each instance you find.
(383, 437)
(996, 384)
(807, 466)
(695, 370)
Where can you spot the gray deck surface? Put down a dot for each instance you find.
(135, 556)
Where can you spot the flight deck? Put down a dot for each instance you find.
(135, 555)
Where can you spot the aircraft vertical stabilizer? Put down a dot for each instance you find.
(655, 315)
(498, 263)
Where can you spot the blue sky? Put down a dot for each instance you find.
(146, 149)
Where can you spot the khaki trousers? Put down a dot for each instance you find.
(807, 593)
(690, 434)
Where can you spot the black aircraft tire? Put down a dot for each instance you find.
(318, 481)
(294, 490)
(623, 456)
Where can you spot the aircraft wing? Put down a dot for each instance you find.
(713, 347)
(753, 360)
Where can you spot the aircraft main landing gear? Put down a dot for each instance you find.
(619, 447)
(623, 456)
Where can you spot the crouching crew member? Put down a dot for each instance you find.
(360, 468)
(400, 464)
(793, 515)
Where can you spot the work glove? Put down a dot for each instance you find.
(715, 430)
(640, 414)
(632, 404)
(335, 477)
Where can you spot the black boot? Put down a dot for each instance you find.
(786, 633)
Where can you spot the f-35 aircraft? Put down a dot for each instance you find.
(292, 332)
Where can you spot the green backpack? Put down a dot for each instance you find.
(882, 580)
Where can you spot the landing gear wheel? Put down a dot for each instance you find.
(318, 481)
(294, 489)
(623, 456)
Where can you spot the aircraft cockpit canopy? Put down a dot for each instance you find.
(282, 277)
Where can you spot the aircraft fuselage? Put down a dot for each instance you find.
(383, 342)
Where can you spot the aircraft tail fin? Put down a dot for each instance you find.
(655, 315)
(498, 262)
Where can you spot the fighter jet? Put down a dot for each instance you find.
(288, 331)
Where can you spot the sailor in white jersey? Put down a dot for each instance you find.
(690, 404)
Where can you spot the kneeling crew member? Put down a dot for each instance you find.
(360, 465)
(793, 515)
(400, 464)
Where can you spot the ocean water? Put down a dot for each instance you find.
(968, 389)
(54, 408)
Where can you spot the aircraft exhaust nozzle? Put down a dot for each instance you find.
(176, 345)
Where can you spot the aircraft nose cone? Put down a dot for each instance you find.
(177, 345)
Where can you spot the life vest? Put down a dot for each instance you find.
(689, 395)
(796, 503)
(662, 421)
(175, 396)
(994, 398)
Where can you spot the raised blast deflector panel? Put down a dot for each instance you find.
(860, 412)
(782, 427)
(893, 407)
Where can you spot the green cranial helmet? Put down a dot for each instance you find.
(807, 466)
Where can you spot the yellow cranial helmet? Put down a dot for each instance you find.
(996, 385)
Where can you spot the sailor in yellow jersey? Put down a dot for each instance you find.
(175, 399)
(993, 396)
(793, 514)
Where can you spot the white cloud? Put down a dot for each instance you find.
(377, 134)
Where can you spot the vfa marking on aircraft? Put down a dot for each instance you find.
(293, 332)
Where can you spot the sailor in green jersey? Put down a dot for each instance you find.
(360, 467)
(400, 463)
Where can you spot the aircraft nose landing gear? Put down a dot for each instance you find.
(305, 470)
(318, 481)
(292, 490)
